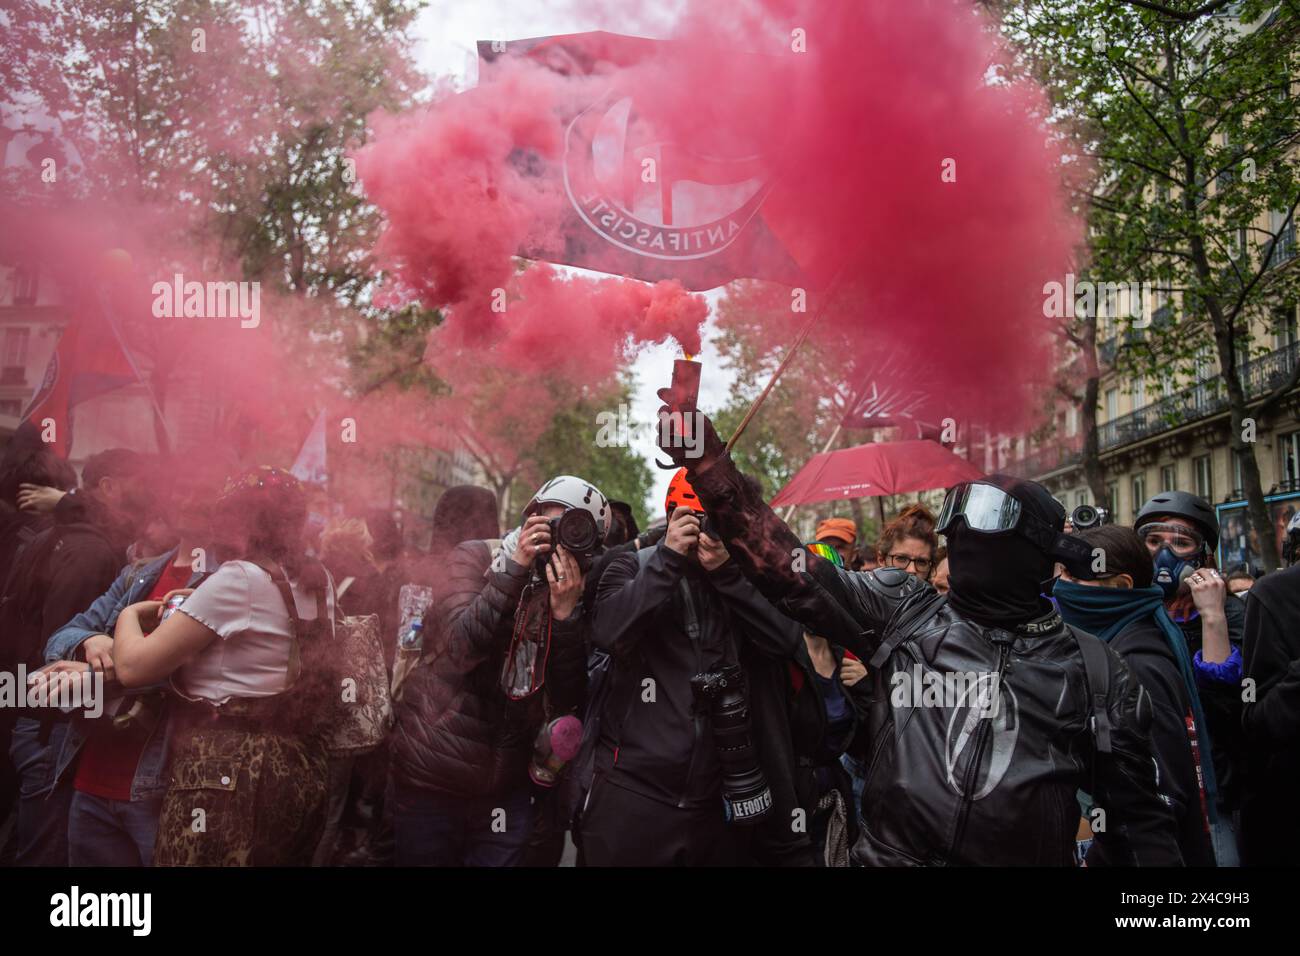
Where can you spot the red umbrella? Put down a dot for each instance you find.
(887, 468)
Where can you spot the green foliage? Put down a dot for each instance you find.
(568, 447)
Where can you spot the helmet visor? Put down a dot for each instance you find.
(985, 508)
(1182, 541)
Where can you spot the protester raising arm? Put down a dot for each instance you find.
(801, 584)
(771, 632)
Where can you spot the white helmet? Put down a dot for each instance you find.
(573, 493)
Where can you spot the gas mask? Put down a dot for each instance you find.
(1180, 551)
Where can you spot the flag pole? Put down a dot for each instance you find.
(789, 355)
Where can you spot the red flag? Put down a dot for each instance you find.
(698, 219)
(88, 361)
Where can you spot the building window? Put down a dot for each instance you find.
(1112, 404)
(1139, 492)
(24, 287)
(1204, 484)
(1284, 327)
(1238, 476)
(1289, 460)
(1112, 498)
(1169, 478)
(15, 351)
(1139, 393)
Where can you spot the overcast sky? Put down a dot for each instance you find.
(446, 35)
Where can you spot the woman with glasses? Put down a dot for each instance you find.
(909, 543)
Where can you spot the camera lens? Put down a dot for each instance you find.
(576, 530)
(1085, 516)
(744, 788)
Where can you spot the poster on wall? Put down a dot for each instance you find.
(1238, 544)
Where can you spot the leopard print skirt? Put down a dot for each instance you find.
(243, 798)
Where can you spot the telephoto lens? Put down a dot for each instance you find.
(744, 788)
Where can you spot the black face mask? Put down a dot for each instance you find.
(997, 579)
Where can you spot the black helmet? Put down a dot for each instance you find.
(1180, 504)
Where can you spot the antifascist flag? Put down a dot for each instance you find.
(89, 360)
(698, 218)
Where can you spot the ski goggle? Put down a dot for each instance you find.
(1182, 541)
(827, 552)
(985, 508)
(988, 509)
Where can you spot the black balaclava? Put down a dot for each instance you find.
(997, 579)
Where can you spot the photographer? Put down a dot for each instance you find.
(1055, 710)
(682, 625)
(504, 654)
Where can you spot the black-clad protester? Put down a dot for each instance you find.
(990, 776)
(1270, 823)
(27, 464)
(60, 574)
(1123, 608)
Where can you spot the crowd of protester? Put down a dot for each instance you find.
(982, 686)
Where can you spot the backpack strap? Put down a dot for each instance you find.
(1096, 670)
(296, 628)
(906, 623)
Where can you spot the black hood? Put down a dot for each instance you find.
(997, 579)
(463, 513)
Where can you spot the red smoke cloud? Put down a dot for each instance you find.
(858, 110)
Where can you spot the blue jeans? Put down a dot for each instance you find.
(857, 772)
(436, 829)
(42, 831)
(103, 832)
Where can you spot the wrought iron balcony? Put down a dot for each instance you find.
(1202, 399)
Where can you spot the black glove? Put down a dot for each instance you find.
(690, 441)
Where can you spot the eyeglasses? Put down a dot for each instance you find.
(1183, 542)
(901, 561)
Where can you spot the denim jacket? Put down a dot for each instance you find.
(132, 585)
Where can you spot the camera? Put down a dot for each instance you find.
(706, 526)
(577, 533)
(1086, 516)
(744, 788)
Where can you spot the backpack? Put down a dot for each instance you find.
(358, 725)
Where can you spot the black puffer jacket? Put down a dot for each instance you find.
(456, 731)
(945, 785)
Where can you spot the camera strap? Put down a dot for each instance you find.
(688, 609)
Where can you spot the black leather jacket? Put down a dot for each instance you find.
(945, 786)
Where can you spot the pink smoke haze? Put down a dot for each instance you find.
(946, 277)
